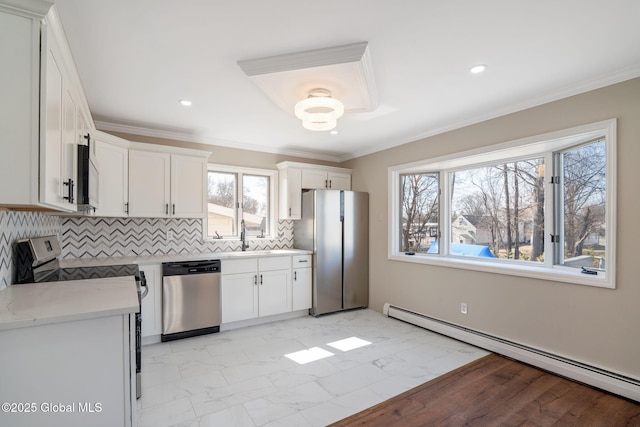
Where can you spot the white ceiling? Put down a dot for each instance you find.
(137, 59)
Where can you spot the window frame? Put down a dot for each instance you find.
(544, 145)
(239, 172)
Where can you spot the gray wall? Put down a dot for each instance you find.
(592, 325)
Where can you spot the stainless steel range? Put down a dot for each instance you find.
(37, 260)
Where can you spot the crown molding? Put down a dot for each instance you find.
(190, 137)
(32, 8)
(625, 74)
(588, 85)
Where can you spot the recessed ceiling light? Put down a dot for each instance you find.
(334, 132)
(185, 102)
(476, 69)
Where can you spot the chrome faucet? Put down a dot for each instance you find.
(243, 236)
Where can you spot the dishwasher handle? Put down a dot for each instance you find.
(192, 267)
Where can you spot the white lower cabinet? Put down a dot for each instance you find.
(274, 291)
(152, 303)
(73, 374)
(301, 285)
(239, 290)
(255, 287)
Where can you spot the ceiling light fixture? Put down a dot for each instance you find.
(477, 69)
(319, 111)
(185, 102)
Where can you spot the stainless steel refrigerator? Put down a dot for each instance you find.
(335, 226)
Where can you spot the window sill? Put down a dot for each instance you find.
(556, 274)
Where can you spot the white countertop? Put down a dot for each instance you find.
(34, 304)
(159, 259)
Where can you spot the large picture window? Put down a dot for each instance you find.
(538, 207)
(497, 210)
(240, 194)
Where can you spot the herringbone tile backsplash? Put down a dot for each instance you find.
(15, 225)
(85, 237)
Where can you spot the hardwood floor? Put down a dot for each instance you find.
(497, 391)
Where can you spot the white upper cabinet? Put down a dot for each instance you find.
(65, 120)
(20, 103)
(295, 177)
(149, 179)
(318, 179)
(163, 184)
(188, 181)
(41, 98)
(113, 157)
(290, 187)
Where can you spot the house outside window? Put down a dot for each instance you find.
(539, 207)
(235, 194)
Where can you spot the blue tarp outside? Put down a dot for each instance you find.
(465, 249)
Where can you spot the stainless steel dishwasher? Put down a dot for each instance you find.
(190, 299)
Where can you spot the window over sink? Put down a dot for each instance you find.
(235, 194)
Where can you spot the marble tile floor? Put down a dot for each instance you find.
(243, 378)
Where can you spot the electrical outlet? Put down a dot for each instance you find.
(170, 235)
(463, 307)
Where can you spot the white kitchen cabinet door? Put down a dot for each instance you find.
(113, 185)
(338, 181)
(239, 296)
(69, 148)
(314, 179)
(51, 144)
(274, 292)
(301, 289)
(188, 180)
(58, 145)
(152, 303)
(149, 184)
(19, 108)
(318, 179)
(290, 193)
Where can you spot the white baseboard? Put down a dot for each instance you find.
(587, 374)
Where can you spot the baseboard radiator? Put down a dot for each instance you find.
(581, 372)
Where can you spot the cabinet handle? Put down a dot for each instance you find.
(126, 208)
(255, 280)
(166, 208)
(295, 275)
(261, 280)
(329, 183)
(69, 183)
(174, 208)
(289, 211)
(325, 184)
